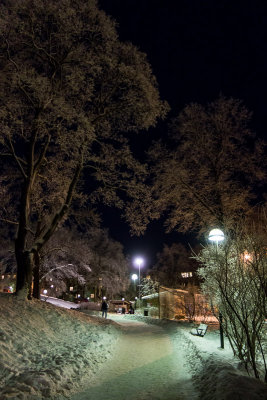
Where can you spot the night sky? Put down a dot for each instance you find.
(198, 50)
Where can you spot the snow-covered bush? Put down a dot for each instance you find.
(234, 276)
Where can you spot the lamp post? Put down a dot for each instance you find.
(216, 235)
(139, 262)
(134, 277)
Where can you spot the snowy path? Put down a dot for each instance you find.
(146, 366)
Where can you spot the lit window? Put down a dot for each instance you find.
(186, 274)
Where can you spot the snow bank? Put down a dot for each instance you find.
(216, 373)
(46, 351)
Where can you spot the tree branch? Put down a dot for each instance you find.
(9, 221)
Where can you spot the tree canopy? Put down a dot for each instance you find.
(172, 262)
(90, 260)
(206, 175)
(70, 91)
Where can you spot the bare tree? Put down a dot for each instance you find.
(110, 268)
(207, 174)
(66, 257)
(69, 89)
(235, 280)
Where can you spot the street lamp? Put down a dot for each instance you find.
(139, 261)
(216, 235)
(134, 277)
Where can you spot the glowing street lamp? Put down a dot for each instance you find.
(139, 261)
(134, 277)
(216, 235)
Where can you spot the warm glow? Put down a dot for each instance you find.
(186, 274)
(247, 257)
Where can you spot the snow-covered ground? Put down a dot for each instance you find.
(59, 302)
(54, 353)
(146, 366)
(45, 351)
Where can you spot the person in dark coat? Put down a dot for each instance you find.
(104, 309)
(131, 310)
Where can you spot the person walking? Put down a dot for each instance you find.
(104, 309)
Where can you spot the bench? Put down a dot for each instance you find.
(200, 330)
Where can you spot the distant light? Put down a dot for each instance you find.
(52, 286)
(104, 298)
(134, 277)
(78, 295)
(44, 291)
(88, 298)
(71, 288)
(123, 299)
(216, 235)
(136, 298)
(51, 279)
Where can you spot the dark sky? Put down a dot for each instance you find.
(198, 49)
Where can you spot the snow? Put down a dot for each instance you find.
(59, 302)
(46, 350)
(145, 366)
(54, 353)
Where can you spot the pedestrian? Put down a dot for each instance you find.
(104, 308)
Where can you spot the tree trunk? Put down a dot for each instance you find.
(25, 263)
(36, 276)
(26, 258)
